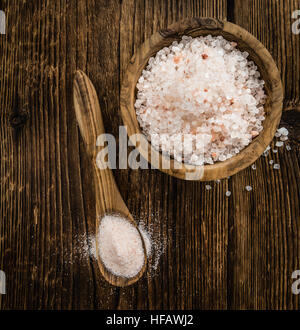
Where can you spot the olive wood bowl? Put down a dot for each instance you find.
(245, 42)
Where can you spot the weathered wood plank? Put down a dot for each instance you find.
(195, 275)
(44, 217)
(271, 22)
(263, 245)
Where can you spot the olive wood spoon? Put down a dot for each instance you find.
(108, 198)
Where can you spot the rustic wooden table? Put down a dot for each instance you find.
(220, 253)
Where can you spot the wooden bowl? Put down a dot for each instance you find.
(246, 42)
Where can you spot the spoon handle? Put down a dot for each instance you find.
(88, 113)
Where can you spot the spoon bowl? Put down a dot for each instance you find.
(108, 197)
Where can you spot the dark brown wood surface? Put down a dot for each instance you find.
(221, 253)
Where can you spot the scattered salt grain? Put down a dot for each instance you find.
(288, 147)
(283, 131)
(271, 162)
(248, 188)
(275, 151)
(155, 244)
(266, 153)
(147, 240)
(279, 144)
(284, 138)
(253, 167)
(276, 166)
(208, 187)
(203, 88)
(218, 181)
(120, 246)
(228, 193)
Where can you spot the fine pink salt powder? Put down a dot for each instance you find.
(120, 246)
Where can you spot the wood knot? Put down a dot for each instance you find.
(210, 23)
(168, 33)
(187, 26)
(18, 119)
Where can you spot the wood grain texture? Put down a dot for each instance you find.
(265, 225)
(260, 17)
(236, 252)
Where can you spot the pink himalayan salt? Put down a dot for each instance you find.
(203, 88)
(120, 246)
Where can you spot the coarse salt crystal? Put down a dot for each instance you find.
(283, 131)
(202, 87)
(208, 187)
(276, 166)
(248, 188)
(228, 193)
(279, 144)
(288, 147)
(284, 138)
(253, 167)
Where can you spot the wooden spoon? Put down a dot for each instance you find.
(108, 198)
